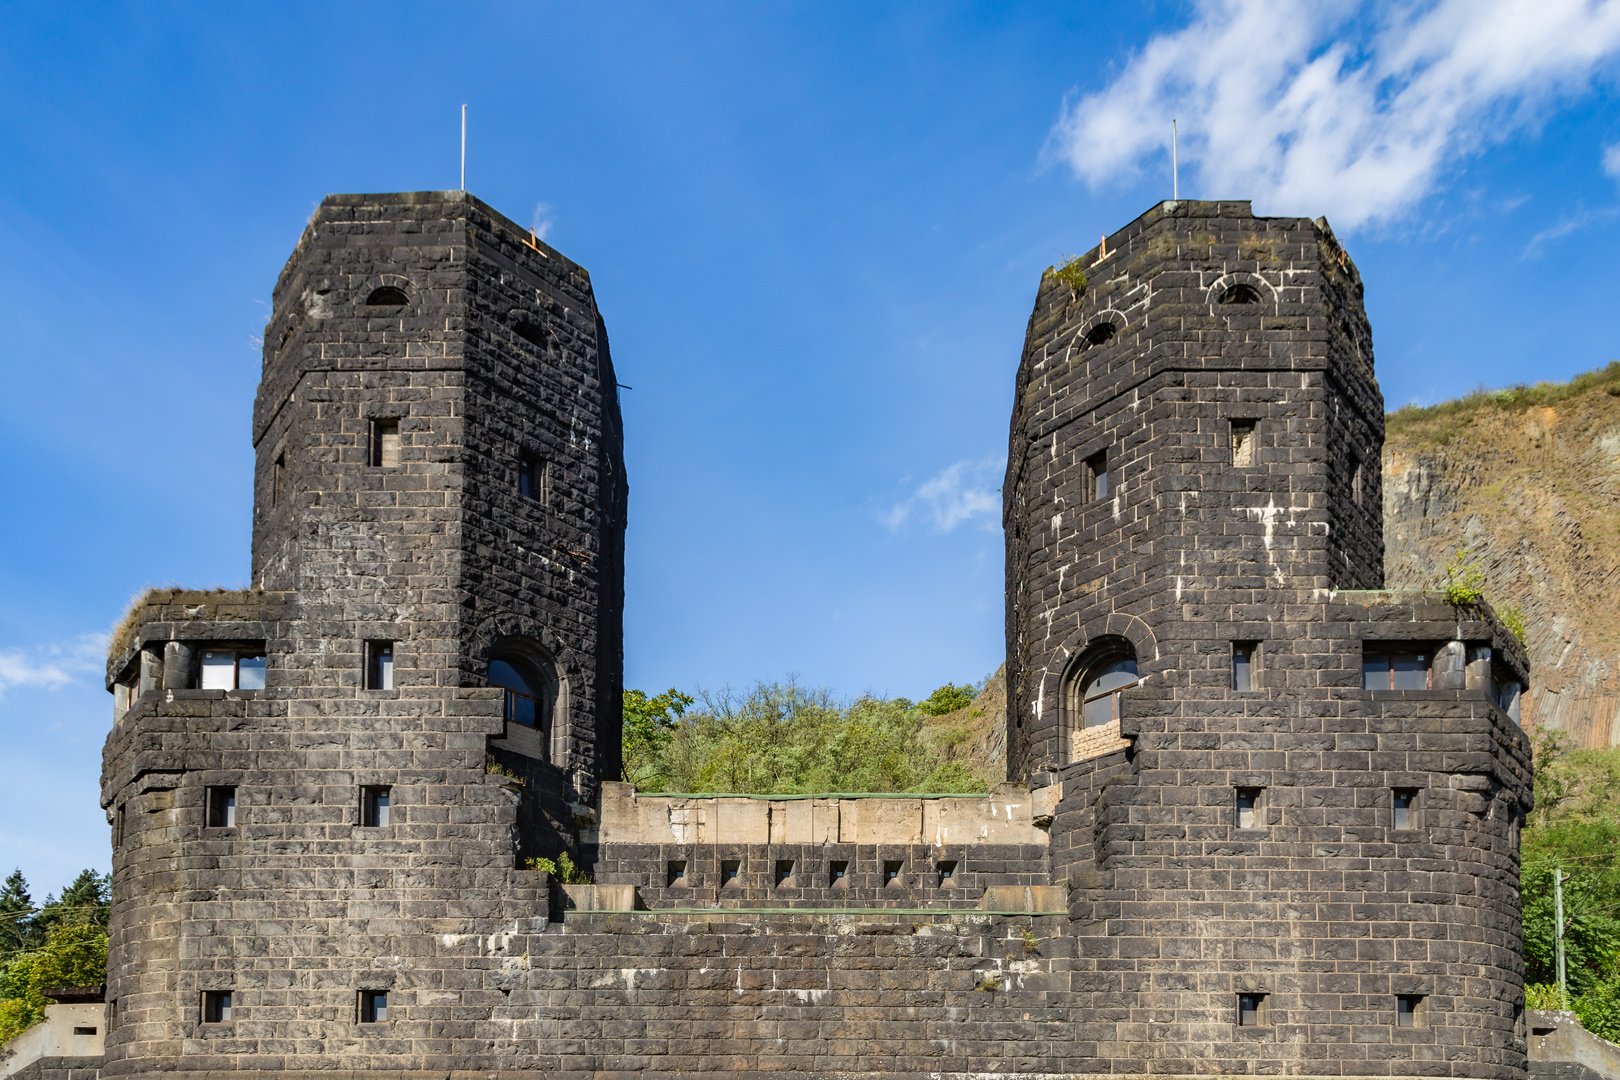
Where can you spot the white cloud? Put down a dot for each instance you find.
(542, 221)
(1611, 160)
(961, 493)
(53, 666)
(1339, 106)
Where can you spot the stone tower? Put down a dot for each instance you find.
(1282, 791)
(351, 759)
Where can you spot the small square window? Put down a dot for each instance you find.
(1097, 475)
(1245, 665)
(373, 1006)
(230, 669)
(1251, 1010)
(1248, 807)
(374, 807)
(838, 874)
(891, 874)
(1243, 443)
(1405, 805)
(532, 477)
(221, 808)
(947, 875)
(1409, 1010)
(784, 872)
(216, 1006)
(379, 665)
(385, 444)
(677, 874)
(731, 872)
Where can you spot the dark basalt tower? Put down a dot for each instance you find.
(1193, 500)
(321, 771)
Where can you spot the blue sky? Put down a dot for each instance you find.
(815, 232)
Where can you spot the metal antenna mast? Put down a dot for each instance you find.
(1175, 172)
(463, 147)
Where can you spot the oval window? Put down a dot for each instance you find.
(1241, 293)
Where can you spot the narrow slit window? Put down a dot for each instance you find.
(1405, 807)
(1408, 1010)
(1245, 665)
(1248, 807)
(379, 665)
(532, 477)
(1249, 1009)
(1355, 480)
(373, 1006)
(216, 1006)
(784, 872)
(385, 444)
(1243, 443)
(278, 479)
(374, 808)
(1097, 475)
(118, 827)
(221, 808)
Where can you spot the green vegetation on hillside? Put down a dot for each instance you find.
(781, 739)
(61, 943)
(1438, 424)
(1575, 828)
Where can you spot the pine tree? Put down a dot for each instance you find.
(16, 914)
(84, 901)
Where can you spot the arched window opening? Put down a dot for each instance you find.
(1101, 334)
(531, 691)
(533, 333)
(1099, 680)
(387, 296)
(1241, 293)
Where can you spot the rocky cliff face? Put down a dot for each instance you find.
(1527, 482)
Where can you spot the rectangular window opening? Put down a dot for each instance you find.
(1248, 807)
(1243, 443)
(118, 826)
(1097, 475)
(1409, 1010)
(1245, 665)
(222, 808)
(891, 873)
(379, 665)
(1250, 1009)
(677, 874)
(1387, 669)
(838, 874)
(374, 807)
(731, 873)
(1355, 480)
(216, 1006)
(947, 875)
(278, 479)
(784, 872)
(373, 1006)
(385, 444)
(1405, 804)
(532, 477)
(84, 1031)
(231, 669)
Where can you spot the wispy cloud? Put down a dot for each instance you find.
(1611, 160)
(542, 221)
(1580, 219)
(53, 666)
(962, 493)
(1347, 107)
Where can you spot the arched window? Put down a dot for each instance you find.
(533, 333)
(1101, 334)
(531, 690)
(1106, 671)
(387, 296)
(1241, 293)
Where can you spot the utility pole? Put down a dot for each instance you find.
(1558, 937)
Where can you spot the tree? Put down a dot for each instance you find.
(74, 954)
(948, 699)
(649, 723)
(16, 914)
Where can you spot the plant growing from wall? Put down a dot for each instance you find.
(1512, 616)
(562, 868)
(1071, 273)
(1465, 581)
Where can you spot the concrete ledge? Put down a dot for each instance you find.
(1034, 899)
(68, 1031)
(1558, 1039)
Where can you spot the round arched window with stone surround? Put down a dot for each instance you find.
(1104, 672)
(533, 691)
